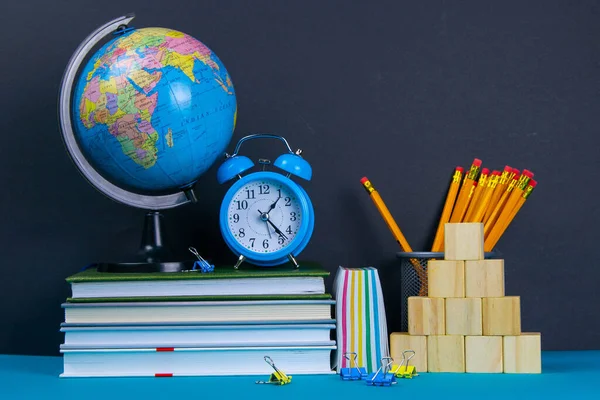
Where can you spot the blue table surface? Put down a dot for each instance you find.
(566, 374)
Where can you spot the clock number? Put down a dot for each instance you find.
(242, 205)
(252, 241)
(265, 189)
(250, 194)
(266, 244)
(279, 192)
(288, 202)
(241, 232)
(236, 218)
(289, 229)
(292, 216)
(280, 240)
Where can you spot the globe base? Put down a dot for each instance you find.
(153, 255)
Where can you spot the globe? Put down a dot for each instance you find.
(142, 119)
(153, 109)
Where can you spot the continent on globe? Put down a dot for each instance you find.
(154, 108)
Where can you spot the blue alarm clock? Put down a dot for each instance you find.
(266, 218)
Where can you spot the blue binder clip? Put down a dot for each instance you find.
(384, 375)
(201, 265)
(354, 372)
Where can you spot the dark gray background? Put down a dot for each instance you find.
(399, 91)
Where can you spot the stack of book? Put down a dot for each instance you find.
(191, 323)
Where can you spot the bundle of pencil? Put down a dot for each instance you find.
(492, 199)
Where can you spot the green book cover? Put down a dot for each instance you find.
(307, 269)
(324, 296)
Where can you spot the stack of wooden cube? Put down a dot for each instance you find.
(467, 324)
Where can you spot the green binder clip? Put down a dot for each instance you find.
(278, 377)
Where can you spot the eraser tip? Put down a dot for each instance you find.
(528, 173)
(364, 179)
(485, 171)
(477, 162)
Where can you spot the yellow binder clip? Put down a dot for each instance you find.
(404, 370)
(278, 377)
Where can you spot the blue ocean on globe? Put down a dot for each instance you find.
(153, 109)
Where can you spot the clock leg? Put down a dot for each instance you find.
(293, 260)
(239, 262)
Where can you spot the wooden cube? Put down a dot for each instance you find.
(484, 278)
(463, 241)
(426, 316)
(401, 341)
(501, 315)
(523, 353)
(446, 278)
(446, 353)
(463, 317)
(483, 354)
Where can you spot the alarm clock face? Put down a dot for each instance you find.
(265, 215)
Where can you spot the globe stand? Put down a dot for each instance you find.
(153, 255)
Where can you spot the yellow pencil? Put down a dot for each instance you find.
(465, 190)
(501, 227)
(492, 182)
(481, 185)
(387, 216)
(500, 204)
(438, 241)
(512, 199)
(505, 178)
(389, 220)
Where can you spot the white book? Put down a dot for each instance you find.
(198, 311)
(199, 287)
(125, 336)
(196, 361)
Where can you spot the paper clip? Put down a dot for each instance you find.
(278, 377)
(404, 370)
(354, 372)
(201, 264)
(383, 376)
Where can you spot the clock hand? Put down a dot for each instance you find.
(272, 206)
(277, 229)
(265, 217)
(268, 231)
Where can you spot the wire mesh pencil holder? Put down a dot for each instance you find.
(413, 276)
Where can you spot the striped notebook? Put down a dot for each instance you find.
(361, 325)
